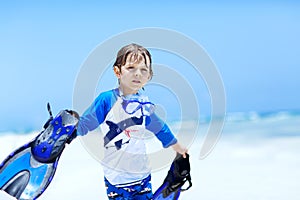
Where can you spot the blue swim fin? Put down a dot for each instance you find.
(178, 175)
(27, 172)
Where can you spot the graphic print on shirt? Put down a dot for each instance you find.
(116, 129)
(126, 117)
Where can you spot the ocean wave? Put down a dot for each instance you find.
(256, 116)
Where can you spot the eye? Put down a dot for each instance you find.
(130, 67)
(144, 69)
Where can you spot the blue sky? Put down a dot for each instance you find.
(254, 45)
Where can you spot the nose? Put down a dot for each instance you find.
(138, 72)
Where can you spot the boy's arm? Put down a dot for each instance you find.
(164, 134)
(160, 129)
(96, 113)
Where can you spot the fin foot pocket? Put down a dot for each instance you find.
(48, 146)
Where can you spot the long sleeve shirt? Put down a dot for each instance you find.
(125, 122)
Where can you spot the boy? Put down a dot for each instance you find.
(124, 114)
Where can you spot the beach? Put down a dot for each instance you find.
(253, 159)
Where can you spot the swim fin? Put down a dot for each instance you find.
(178, 175)
(28, 171)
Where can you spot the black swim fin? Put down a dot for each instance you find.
(178, 175)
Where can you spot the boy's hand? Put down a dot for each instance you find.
(180, 149)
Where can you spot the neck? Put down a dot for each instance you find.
(127, 92)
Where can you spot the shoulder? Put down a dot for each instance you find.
(106, 98)
(107, 95)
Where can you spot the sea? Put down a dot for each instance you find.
(256, 157)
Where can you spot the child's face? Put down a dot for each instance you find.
(133, 76)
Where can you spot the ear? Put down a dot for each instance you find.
(117, 71)
(150, 77)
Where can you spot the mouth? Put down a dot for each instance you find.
(136, 81)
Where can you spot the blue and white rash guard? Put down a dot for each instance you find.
(125, 121)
